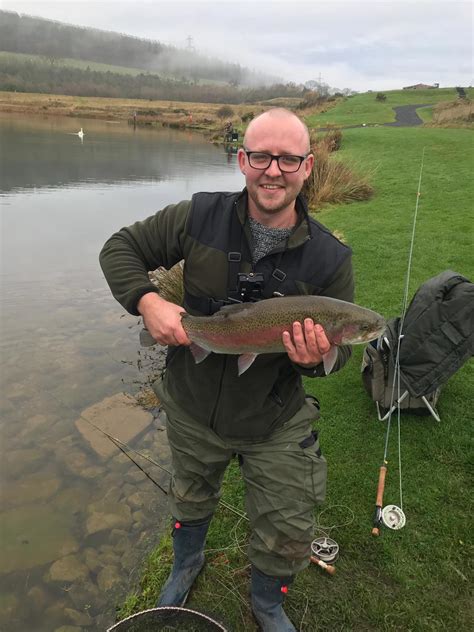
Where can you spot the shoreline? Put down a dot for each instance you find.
(198, 117)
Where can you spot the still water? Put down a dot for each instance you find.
(67, 345)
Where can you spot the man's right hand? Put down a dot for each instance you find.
(163, 320)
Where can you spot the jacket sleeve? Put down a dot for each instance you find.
(341, 286)
(133, 251)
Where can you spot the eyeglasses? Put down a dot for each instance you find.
(286, 163)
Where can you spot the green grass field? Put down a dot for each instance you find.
(363, 108)
(418, 578)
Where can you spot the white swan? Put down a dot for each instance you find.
(80, 133)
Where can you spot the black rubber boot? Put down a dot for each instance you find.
(267, 594)
(188, 546)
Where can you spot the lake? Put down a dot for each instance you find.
(75, 526)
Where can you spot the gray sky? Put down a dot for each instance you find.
(357, 44)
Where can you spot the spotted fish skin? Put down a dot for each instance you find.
(252, 328)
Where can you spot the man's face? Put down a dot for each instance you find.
(272, 190)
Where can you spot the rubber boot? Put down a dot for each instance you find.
(267, 594)
(188, 546)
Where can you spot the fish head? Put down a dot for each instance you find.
(362, 330)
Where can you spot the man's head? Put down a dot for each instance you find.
(273, 190)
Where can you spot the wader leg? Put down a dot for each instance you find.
(199, 459)
(285, 477)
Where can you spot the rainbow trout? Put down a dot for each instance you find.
(248, 329)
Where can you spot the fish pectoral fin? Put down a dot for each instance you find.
(245, 361)
(329, 359)
(199, 353)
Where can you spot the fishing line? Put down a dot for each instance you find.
(393, 516)
(123, 447)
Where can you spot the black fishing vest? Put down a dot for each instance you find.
(305, 265)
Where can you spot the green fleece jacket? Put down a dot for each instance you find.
(314, 262)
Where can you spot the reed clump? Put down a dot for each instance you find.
(456, 112)
(333, 181)
(331, 141)
(169, 282)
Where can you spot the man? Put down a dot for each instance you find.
(242, 246)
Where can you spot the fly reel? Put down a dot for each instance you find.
(393, 517)
(325, 549)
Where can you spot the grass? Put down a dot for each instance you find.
(456, 112)
(68, 62)
(418, 578)
(363, 108)
(333, 181)
(198, 116)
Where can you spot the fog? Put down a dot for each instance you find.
(382, 44)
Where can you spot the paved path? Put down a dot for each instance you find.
(405, 116)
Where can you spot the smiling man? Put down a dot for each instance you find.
(237, 247)
(276, 160)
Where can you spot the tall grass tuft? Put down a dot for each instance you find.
(169, 282)
(334, 182)
(456, 112)
(331, 141)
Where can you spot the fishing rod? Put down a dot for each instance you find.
(393, 516)
(123, 447)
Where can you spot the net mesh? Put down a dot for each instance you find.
(168, 619)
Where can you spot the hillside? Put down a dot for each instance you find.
(57, 40)
(366, 109)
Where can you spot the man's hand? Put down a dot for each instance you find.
(307, 345)
(163, 320)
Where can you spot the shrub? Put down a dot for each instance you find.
(247, 117)
(333, 182)
(458, 112)
(331, 141)
(381, 96)
(225, 111)
(169, 282)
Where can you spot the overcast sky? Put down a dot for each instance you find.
(357, 44)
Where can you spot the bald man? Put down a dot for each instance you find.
(246, 246)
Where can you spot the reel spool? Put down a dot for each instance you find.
(393, 517)
(325, 549)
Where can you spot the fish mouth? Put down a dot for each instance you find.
(361, 337)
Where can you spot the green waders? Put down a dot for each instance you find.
(284, 475)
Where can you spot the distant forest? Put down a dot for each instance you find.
(52, 39)
(20, 74)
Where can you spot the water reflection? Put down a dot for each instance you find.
(49, 153)
(66, 346)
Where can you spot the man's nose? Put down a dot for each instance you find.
(273, 168)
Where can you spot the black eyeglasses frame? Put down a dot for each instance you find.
(275, 157)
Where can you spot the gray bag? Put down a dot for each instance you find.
(437, 338)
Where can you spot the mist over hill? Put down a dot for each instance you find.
(52, 39)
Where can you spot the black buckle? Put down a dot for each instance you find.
(279, 275)
(234, 256)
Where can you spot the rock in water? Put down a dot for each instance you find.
(119, 416)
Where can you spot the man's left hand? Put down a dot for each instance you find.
(306, 344)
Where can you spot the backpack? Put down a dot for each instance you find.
(436, 340)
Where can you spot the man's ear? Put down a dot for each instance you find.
(242, 159)
(308, 167)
